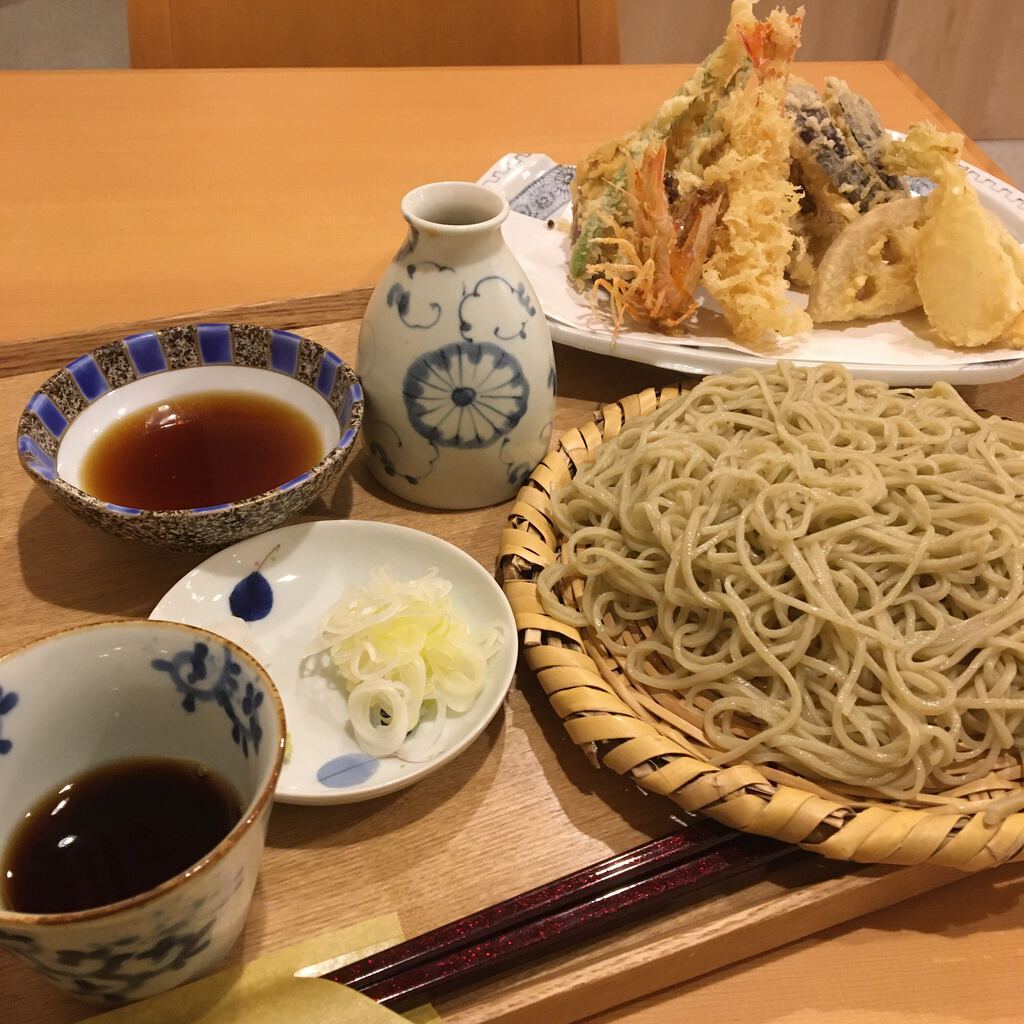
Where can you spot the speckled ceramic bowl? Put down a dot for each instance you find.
(75, 405)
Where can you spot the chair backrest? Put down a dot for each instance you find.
(371, 33)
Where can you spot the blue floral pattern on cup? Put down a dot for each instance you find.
(465, 395)
(196, 674)
(114, 972)
(8, 701)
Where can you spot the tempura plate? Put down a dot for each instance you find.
(900, 350)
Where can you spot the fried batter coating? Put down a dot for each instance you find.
(751, 247)
(970, 271)
(870, 269)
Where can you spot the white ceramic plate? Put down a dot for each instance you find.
(305, 569)
(901, 350)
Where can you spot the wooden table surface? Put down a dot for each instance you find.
(126, 195)
(136, 195)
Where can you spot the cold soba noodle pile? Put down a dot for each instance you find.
(832, 572)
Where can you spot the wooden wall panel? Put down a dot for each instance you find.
(684, 31)
(966, 56)
(599, 31)
(963, 53)
(149, 33)
(366, 33)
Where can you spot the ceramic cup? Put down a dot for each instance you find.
(115, 690)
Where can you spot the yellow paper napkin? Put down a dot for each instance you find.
(267, 990)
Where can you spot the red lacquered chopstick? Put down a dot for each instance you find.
(695, 838)
(573, 922)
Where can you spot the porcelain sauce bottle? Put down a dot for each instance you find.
(455, 357)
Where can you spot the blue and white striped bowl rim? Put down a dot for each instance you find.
(148, 353)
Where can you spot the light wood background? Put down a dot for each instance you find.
(964, 53)
(370, 33)
(132, 195)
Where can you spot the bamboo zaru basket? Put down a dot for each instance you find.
(648, 735)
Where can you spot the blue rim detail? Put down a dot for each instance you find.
(148, 356)
(345, 408)
(89, 377)
(50, 416)
(295, 481)
(284, 352)
(38, 461)
(145, 353)
(329, 364)
(215, 343)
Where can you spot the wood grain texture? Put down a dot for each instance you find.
(967, 56)
(520, 807)
(38, 353)
(599, 31)
(947, 957)
(150, 34)
(352, 33)
(136, 195)
(657, 31)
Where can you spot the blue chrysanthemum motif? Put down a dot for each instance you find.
(465, 395)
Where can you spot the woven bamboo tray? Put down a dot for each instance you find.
(627, 729)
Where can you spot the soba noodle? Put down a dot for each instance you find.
(832, 573)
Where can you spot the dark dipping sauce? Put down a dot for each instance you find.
(198, 450)
(114, 832)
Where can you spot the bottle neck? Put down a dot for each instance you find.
(452, 221)
(434, 243)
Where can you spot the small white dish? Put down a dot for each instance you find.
(305, 569)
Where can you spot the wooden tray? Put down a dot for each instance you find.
(518, 808)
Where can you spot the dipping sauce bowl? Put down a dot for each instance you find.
(73, 408)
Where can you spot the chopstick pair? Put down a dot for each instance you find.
(559, 914)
